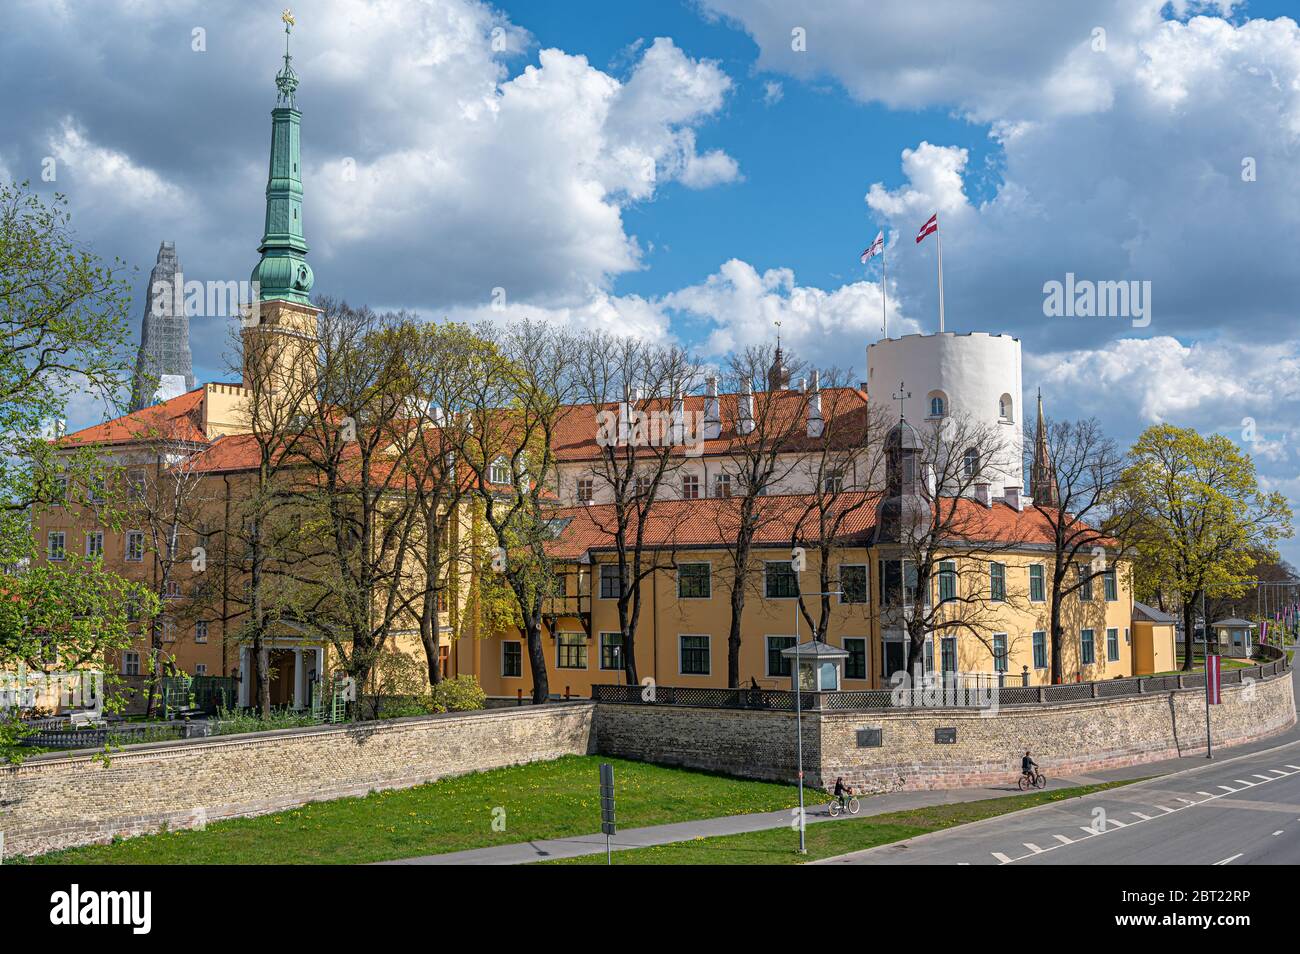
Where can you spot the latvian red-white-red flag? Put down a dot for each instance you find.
(1213, 690)
(875, 248)
(929, 228)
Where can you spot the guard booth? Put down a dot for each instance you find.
(820, 669)
(1234, 637)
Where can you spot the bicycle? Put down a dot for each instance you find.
(1033, 779)
(845, 803)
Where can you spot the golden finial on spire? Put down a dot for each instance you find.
(287, 17)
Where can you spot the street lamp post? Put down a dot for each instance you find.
(798, 706)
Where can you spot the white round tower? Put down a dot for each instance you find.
(975, 376)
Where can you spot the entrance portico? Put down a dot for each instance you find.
(294, 666)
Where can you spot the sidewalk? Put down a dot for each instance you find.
(572, 847)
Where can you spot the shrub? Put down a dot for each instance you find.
(236, 721)
(460, 694)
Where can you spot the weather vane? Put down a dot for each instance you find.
(287, 17)
(286, 81)
(900, 397)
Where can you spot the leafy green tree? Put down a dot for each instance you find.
(1202, 519)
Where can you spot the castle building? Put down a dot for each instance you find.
(164, 367)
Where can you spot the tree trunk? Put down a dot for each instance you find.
(1057, 639)
(537, 662)
(429, 637)
(1189, 635)
(733, 635)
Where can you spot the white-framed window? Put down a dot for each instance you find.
(60, 488)
(971, 462)
(130, 663)
(722, 485)
(690, 487)
(1037, 583)
(94, 543)
(168, 630)
(200, 669)
(855, 666)
(833, 482)
(134, 546)
(200, 630)
(95, 490)
(999, 652)
(779, 580)
(499, 471)
(937, 403)
(694, 581)
(512, 659)
(611, 652)
(1040, 649)
(172, 591)
(693, 655)
(135, 480)
(641, 486)
(57, 550)
(586, 489)
(778, 665)
(570, 651)
(855, 583)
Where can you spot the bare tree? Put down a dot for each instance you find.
(635, 393)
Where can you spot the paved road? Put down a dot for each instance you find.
(1242, 810)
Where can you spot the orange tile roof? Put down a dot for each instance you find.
(179, 419)
(576, 429)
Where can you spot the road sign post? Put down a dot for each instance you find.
(607, 823)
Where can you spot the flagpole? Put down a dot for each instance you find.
(884, 294)
(938, 234)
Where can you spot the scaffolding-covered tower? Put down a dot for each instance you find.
(164, 367)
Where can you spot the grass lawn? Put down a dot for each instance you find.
(542, 800)
(827, 839)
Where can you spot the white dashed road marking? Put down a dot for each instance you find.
(1034, 848)
(1001, 857)
(1063, 840)
(1229, 860)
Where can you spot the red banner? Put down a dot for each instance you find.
(1212, 689)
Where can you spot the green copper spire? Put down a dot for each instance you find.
(283, 272)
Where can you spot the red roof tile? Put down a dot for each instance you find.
(177, 420)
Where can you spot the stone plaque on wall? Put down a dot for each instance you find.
(946, 736)
(870, 738)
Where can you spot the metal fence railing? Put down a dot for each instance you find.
(971, 696)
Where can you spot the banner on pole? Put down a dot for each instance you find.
(1212, 686)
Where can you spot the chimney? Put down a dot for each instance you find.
(712, 415)
(982, 494)
(1014, 500)
(745, 410)
(802, 386)
(815, 423)
(679, 419)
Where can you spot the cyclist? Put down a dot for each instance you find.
(1028, 766)
(842, 792)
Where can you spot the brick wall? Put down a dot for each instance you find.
(54, 801)
(1065, 739)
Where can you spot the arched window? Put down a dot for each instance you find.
(1004, 407)
(972, 462)
(937, 404)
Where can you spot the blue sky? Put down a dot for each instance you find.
(681, 171)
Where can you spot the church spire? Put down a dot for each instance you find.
(1042, 476)
(283, 273)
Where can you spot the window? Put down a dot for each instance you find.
(499, 472)
(690, 487)
(95, 543)
(168, 630)
(1005, 407)
(722, 485)
(1085, 577)
(135, 484)
(135, 545)
(1112, 645)
(779, 580)
(694, 655)
(1111, 585)
(948, 653)
(57, 551)
(586, 488)
(611, 651)
(570, 651)
(95, 490)
(938, 405)
(898, 583)
(200, 669)
(200, 630)
(854, 585)
(60, 488)
(132, 611)
(1040, 650)
(972, 462)
(512, 659)
(1037, 585)
(609, 582)
(833, 483)
(130, 664)
(693, 581)
(947, 581)
(855, 667)
(1087, 651)
(997, 581)
(999, 652)
(641, 485)
(172, 590)
(778, 665)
